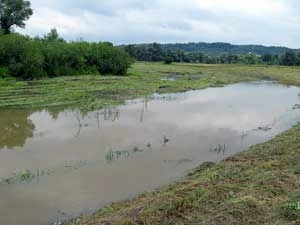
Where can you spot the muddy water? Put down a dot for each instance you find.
(81, 161)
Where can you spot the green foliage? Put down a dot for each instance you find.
(252, 59)
(4, 73)
(27, 58)
(270, 59)
(53, 36)
(21, 56)
(217, 49)
(19, 177)
(14, 13)
(215, 53)
(168, 60)
(293, 206)
(149, 52)
(291, 210)
(290, 59)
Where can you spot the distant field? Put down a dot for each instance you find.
(90, 92)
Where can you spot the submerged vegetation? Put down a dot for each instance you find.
(111, 156)
(258, 186)
(143, 79)
(114, 155)
(94, 91)
(26, 176)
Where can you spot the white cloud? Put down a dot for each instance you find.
(270, 22)
(253, 7)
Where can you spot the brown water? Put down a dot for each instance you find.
(84, 161)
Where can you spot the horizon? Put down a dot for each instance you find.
(202, 42)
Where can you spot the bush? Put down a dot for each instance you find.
(168, 60)
(21, 56)
(27, 58)
(4, 73)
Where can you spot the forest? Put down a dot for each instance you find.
(216, 53)
(219, 48)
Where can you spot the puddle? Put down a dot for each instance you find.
(62, 162)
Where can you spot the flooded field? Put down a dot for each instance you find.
(56, 164)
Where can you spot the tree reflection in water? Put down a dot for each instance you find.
(109, 113)
(15, 128)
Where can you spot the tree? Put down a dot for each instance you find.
(14, 13)
(15, 128)
(168, 60)
(289, 58)
(53, 36)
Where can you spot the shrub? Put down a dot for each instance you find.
(27, 58)
(168, 60)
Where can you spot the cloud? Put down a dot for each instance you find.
(269, 22)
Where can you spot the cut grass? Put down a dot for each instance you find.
(93, 92)
(258, 186)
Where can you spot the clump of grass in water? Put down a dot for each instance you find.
(19, 177)
(219, 149)
(114, 155)
(29, 175)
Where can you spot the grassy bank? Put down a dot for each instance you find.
(258, 186)
(90, 92)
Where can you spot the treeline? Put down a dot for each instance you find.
(219, 48)
(24, 57)
(155, 52)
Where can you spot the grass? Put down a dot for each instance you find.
(258, 186)
(93, 92)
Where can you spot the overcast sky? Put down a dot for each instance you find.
(268, 22)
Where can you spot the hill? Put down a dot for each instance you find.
(220, 48)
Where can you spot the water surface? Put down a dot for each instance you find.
(81, 161)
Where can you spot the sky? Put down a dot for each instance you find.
(267, 22)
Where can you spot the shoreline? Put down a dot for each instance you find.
(258, 186)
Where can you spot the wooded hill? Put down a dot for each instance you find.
(220, 48)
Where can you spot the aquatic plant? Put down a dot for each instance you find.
(219, 149)
(18, 177)
(30, 175)
(114, 155)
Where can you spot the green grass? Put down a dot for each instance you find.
(93, 92)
